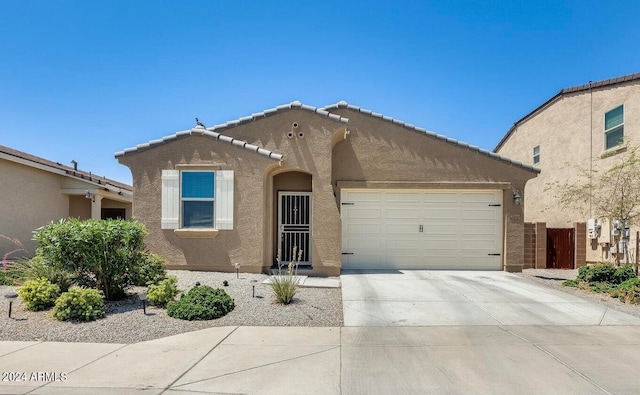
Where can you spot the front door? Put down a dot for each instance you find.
(294, 226)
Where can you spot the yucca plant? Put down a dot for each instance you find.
(284, 279)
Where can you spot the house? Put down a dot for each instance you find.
(351, 188)
(582, 127)
(36, 191)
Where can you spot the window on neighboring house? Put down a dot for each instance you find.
(197, 199)
(536, 154)
(614, 127)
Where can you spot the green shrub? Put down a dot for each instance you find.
(201, 303)
(39, 294)
(81, 304)
(163, 293)
(582, 273)
(602, 287)
(623, 273)
(601, 272)
(148, 269)
(628, 291)
(570, 283)
(100, 253)
(36, 267)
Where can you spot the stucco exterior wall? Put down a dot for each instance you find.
(570, 133)
(31, 198)
(250, 243)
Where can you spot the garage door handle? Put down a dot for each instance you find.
(493, 254)
(495, 205)
(347, 253)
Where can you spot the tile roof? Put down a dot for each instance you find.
(344, 104)
(56, 167)
(213, 131)
(574, 89)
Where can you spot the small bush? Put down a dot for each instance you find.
(149, 269)
(201, 303)
(601, 272)
(284, 280)
(571, 283)
(81, 304)
(623, 273)
(582, 273)
(629, 291)
(39, 294)
(5, 277)
(163, 293)
(602, 287)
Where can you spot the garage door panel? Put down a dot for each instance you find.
(401, 213)
(363, 229)
(430, 214)
(480, 214)
(403, 198)
(422, 229)
(478, 197)
(439, 229)
(364, 213)
(439, 197)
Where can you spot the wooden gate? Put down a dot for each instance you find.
(560, 248)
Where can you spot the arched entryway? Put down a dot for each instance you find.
(292, 209)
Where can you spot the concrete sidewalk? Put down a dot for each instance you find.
(351, 360)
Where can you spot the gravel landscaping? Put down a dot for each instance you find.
(126, 323)
(554, 278)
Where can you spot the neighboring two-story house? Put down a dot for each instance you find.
(584, 127)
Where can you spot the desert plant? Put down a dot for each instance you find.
(98, 252)
(148, 269)
(8, 255)
(284, 280)
(36, 267)
(81, 304)
(39, 294)
(201, 303)
(164, 292)
(602, 272)
(570, 283)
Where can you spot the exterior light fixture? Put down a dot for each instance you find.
(237, 265)
(517, 198)
(87, 194)
(10, 296)
(142, 295)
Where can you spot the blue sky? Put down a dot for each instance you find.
(84, 79)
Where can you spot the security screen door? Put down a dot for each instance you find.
(294, 226)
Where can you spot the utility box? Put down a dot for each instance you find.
(593, 228)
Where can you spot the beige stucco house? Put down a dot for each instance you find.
(587, 126)
(36, 191)
(351, 188)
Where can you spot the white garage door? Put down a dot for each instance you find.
(421, 229)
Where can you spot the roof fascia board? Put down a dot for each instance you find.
(30, 163)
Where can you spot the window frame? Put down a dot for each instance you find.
(536, 155)
(183, 199)
(613, 129)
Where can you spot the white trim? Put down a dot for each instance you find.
(170, 199)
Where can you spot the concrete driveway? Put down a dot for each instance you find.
(462, 298)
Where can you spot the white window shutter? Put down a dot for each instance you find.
(170, 199)
(224, 199)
